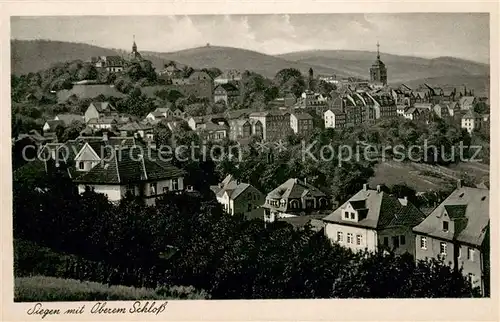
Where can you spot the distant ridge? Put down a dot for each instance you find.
(32, 56)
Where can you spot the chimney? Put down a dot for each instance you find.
(105, 136)
(459, 183)
(365, 187)
(378, 188)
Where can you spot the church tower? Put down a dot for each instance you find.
(378, 71)
(135, 56)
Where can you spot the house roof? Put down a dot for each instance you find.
(231, 186)
(197, 74)
(295, 188)
(162, 109)
(54, 123)
(466, 100)
(70, 118)
(158, 114)
(234, 114)
(302, 116)
(128, 166)
(228, 87)
(103, 120)
(267, 113)
(135, 126)
(103, 106)
(381, 210)
(469, 208)
(471, 115)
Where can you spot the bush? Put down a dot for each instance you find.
(44, 288)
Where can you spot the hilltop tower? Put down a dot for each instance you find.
(378, 71)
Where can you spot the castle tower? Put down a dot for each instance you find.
(378, 71)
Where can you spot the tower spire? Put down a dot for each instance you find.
(378, 50)
(134, 46)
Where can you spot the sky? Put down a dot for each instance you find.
(462, 35)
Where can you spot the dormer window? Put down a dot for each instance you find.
(353, 215)
(346, 214)
(445, 226)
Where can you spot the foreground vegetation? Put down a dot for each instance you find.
(131, 244)
(44, 288)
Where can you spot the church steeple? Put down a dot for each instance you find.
(378, 71)
(134, 46)
(378, 51)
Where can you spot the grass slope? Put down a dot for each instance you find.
(45, 288)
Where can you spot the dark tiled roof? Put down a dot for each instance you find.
(103, 106)
(228, 87)
(70, 118)
(127, 166)
(469, 207)
(303, 116)
(381, 210)
(54, 123)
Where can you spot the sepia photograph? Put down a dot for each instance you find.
(249, 157)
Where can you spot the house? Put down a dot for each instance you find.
(92, 150)
(215, 131)
(199, 76)
(128, 171)
(97, 110)
(110, 63)
(457, 232)
(155, 115)
(230, 76)
(466, 102)
(105, 122)
(301, 123)
(244, 128)
(441, 110)
(227, 93)
(294, 198)
(239, 198)
(165, 111)
(275, 124)
(373, 219)
(69, 118)
(411, 113)
(196, 122)
(143, 130)
(51, 125)
(471, 121)
(334, 119)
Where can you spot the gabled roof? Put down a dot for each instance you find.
(466, 100)
(230, 186)
(469, 207)
(294, 188)
(380, 210)
(103, 120)
(471, 115)
(54, 123)
(103, 106)
(127, 166)
(234, 114)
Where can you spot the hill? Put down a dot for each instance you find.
(400, 68)
(35, 55)
(226, 58)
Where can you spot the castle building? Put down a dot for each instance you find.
(378, 71)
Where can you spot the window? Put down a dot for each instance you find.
(359, 239)
(346, 214)
(340, 236)
(445, 226)
(81, 165)
(152, 189)
(423, 242)
(349, 238)
(130, 189)
(395, 241)
(402, 240)
(386, 241)
(353, 215)
(442, 248)
(459, 252)
(470, 254)
(175, 184)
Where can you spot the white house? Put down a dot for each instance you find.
(128, 171)
(471, 121)
(239, 198)
(334, 119)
